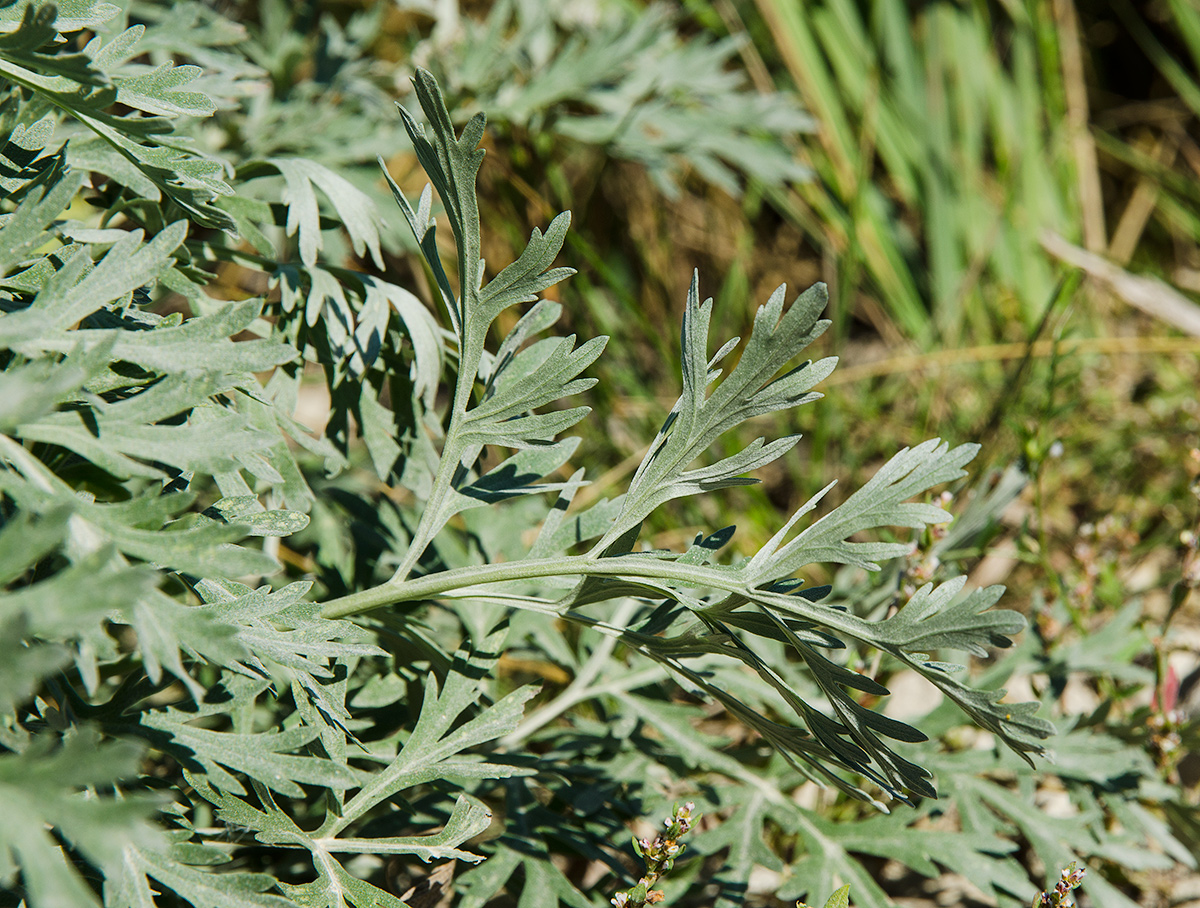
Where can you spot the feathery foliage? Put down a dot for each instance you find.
(167, 685)
(701, 605)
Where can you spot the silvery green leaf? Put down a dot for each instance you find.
(302, 178)
(72, 607)
(699, 417)
(266, 757)
(64, 300)
(937, 618)
(380, 690)
(452, 164)
(41, 796)
(168, 630)
(425, 230)
(419, 326)
(131, 885)
(570, 530)
(280, 628)
(126, 449)
(85, 84)
(156, 91)
(248, 214)
(300, 640)
(30, 281)
(435, 749)
(206, 341)
(32, 390)
(27, 52)
(429, 751)
(195, 180)
(1016, 724)
(378, 426)
(541, 315)
(24, 165)
(203, 548)
(334, 887)
(529, 275)
(519, 380)
(237, 602)
(520, 474)
(522, 431)
(69, 15)
(882, 501)
(268, 410)
(854, 732)
(93, 153)
(982, 511)
(247, 511)
(275, 465)
(25, 230)
(25, 666)
(535, 376)
(127, 436)
(355, 310)
(321, 703)
(469, 818)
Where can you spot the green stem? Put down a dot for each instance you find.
(646, 567)
(433, 585)
(580, 688)
(433, 516)
(431, 521)
(568, 699)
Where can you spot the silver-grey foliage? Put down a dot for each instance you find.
(164, 706)
(712, 607)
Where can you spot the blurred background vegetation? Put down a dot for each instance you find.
(1003, 197)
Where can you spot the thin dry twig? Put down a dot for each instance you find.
(1106, 346)
(753, 61)
(1091, 199)
(1141, 204)
(1151, 295)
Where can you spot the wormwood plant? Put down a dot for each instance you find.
(703, 606)
(182, 724)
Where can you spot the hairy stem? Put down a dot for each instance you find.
(632, 567)
(580, 689)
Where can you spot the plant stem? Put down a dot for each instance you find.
(432, 585)
(579, 689)
(655, 571)
(430, 524)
